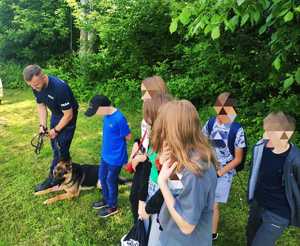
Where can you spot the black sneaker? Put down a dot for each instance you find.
(100, 204)
(214, 236)
(47, 183)
(106, 212)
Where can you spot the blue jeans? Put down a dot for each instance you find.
(264, 227)
(61, 144)
(108, 175)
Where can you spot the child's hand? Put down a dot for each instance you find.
(138, 159)
(220, 172)
(166, 171)
(142, 211)
(134, 149)
(165, 153)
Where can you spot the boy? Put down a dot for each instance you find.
(274, 184)
(228, 140)
(114, 152)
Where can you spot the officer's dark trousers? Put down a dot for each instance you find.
(61, 144)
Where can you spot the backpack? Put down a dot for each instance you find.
(234, 128)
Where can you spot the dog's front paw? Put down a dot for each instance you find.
(38, 193)
(48, 201)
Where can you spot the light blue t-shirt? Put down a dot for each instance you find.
(195, 205)
(219, 137)
(114, 146)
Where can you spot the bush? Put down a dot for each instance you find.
(11, 75)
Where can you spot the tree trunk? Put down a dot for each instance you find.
(87, 39)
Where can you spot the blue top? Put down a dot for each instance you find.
(57, 96)
(195, 205)
(270, 190)
(114, 146)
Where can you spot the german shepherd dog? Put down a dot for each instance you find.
(74, 177)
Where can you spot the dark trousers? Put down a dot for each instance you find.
(108, 175)
(62, 143)
(134, 202)
(264, 227)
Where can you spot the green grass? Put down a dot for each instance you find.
(24, 220)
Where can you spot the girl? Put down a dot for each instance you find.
(149, 88)
(186, 218)
(140, 163)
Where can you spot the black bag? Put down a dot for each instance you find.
(155, 203)
(137, 236)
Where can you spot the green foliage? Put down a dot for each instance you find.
(11, 76)
(132, 35)
(33, 31)
(277, 20)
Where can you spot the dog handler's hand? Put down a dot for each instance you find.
(52, 133)
(42, 129)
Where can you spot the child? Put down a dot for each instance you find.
(228, 139)
(114, 152)
(274, 184)
(186, 217)
(141, 163)
(149, 88)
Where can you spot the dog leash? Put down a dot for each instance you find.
(38, 141)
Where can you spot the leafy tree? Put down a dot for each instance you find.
(33, 31)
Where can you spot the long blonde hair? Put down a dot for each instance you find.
(178, 125)
(155, 84)
(152, 105)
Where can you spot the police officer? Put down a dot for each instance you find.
(53, 93)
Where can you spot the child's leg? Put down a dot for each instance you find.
(154, 232)
(254, 221)
(270, 230)
(221, 196)
(216, 216)
(112, 184)
(102, 175)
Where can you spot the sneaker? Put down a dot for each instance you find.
(215, 236)
(100, 204)
(47, 183)
(106, 212)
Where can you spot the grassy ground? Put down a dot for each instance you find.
(24, 220)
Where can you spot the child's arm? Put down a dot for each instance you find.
(239, 154)
(143, 172)
(128, 137)
(183, 225)
(171, 203)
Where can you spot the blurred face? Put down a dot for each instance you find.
(102, 111)
(277, 137)
(37, 82)
(145, 93)
(226, 114)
